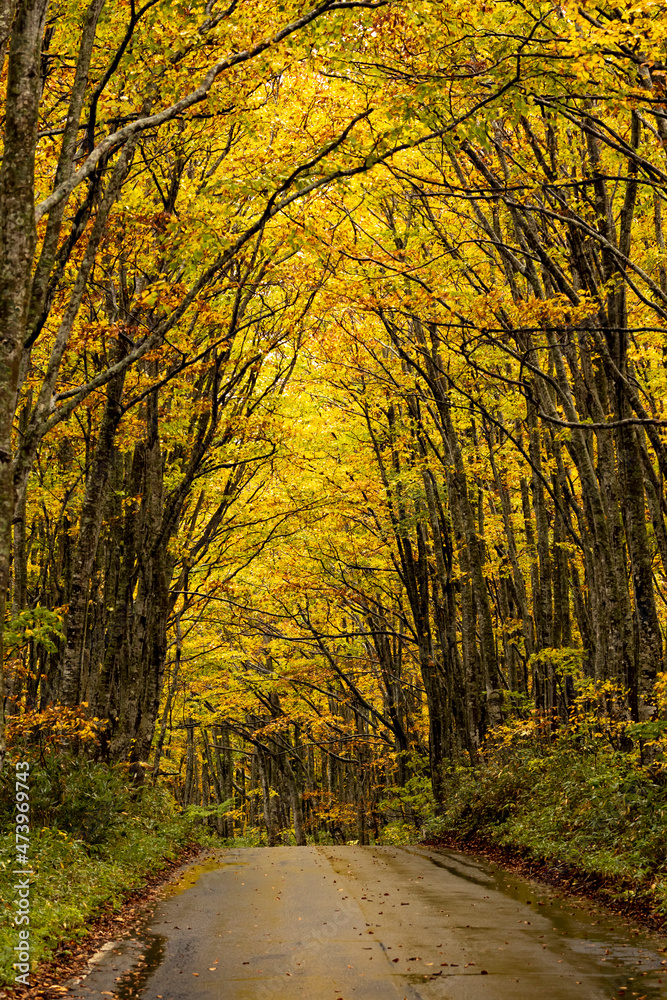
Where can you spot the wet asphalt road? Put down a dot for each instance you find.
(373, 923)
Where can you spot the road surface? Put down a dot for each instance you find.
(372, 923)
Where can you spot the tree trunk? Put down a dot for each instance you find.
(17, 247)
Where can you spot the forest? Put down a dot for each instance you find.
(332, 415)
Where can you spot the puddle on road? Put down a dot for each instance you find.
(152, 952)
(634, 960)
(192, 875)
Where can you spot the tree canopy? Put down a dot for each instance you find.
(332, 389)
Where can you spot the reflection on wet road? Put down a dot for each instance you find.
(374, 923)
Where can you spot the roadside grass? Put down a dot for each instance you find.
(94, 838)
(572, 800)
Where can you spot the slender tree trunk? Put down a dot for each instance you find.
(189, 785)
(295, 802)
(17, 247)
(269, 816)
(90, 524)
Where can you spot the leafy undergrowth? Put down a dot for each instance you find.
(94, 838)
(570, 800)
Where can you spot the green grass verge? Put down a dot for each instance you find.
(593, 810)
(93, 840)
